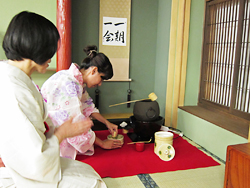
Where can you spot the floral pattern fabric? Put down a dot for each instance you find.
(66, 96)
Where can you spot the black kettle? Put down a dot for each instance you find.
(146, 110)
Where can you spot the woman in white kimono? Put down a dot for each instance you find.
(66, 95)
(29, 144)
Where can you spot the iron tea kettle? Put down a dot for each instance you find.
(146, 110)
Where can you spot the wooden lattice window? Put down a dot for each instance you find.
(225, 73)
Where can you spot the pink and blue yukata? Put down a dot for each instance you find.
(66, 96)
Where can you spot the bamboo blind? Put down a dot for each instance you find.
(226, 56)
(243, 85)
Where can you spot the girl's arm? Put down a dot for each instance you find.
(113, 129)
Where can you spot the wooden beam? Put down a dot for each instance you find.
(178, 49)
(249, 133)
(64, 28)
(178, 63)
(185, 52)
(171, 63)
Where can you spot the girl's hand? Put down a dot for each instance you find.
(111, 144)
(69, 129)
(108, 144)
(113, 129)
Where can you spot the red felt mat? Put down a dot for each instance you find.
(126, 161)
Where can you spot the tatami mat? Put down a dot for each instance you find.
(193, 178)
(125, 182)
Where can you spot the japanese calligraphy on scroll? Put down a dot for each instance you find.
(114, 35)
(114, 31)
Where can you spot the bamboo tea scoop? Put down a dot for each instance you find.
(140, 141)
(151, 96)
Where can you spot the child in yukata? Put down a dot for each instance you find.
(66, 96)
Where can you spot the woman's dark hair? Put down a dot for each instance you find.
(30, 36)
(99, 60)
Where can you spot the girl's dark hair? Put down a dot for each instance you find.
(99, 60)
(30, 36)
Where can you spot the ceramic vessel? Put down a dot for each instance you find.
(119, 137)
(139, 146)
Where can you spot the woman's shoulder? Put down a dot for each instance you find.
(14, 76)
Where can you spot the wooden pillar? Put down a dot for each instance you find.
(64, 28)
(177, 62)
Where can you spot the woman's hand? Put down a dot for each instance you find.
(69, 129)
(113, 129)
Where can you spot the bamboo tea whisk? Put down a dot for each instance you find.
(151, 96)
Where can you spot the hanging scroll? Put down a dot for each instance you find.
(114, 35)
(114, 31)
